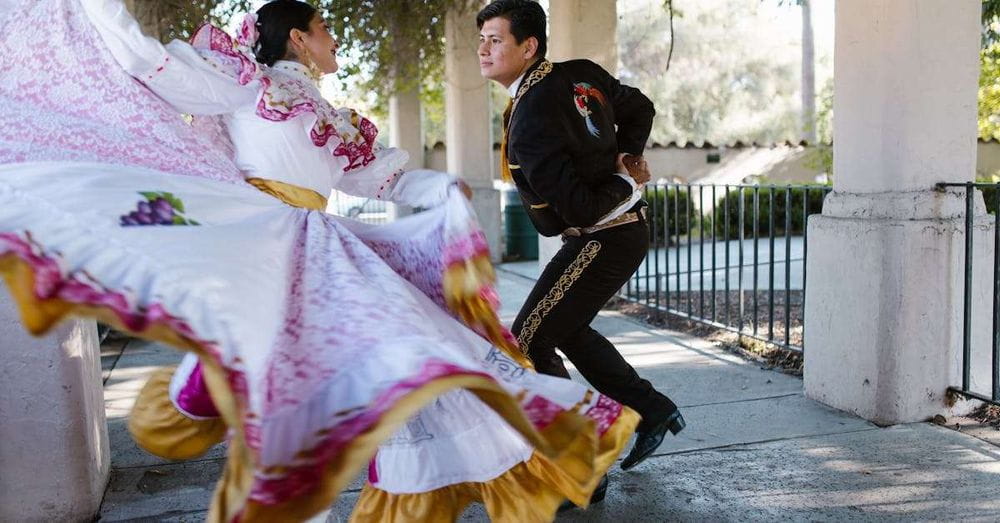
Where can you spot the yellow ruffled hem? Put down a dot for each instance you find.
(529, 492)
(159, 428)
(569, 441)
(462, 285)
(291, 194)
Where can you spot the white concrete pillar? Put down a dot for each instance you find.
(406, 132)
(467, 111)
(884, 288)
(580, 29)
(54, 454)
(584, 29)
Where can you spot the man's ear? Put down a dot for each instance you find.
(530, 48)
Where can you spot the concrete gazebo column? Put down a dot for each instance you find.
(885, 264)
(405, 129)
(584, 29)
(406, 132)
(580, 29)
(54, 454)
(468, 117)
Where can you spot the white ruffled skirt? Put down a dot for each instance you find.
(324, 344)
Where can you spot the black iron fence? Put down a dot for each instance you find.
(973, 381)
(731, 256)
(367, 210)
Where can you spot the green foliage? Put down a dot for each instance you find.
(824, 114)
(991, 22)
(821, 159)
(176, 19)
(734, 73)
(821, 156)
(989, 193)
(401, 41)
(989, 92)
(673, 202)
(762, 223)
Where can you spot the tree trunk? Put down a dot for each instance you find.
(168, 19)
(808, 75)
(146, 12)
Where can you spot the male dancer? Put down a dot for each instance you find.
(573, 140)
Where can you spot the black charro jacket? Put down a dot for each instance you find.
(568, 123)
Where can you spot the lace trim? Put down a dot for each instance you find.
(236, 57)
(283, 97)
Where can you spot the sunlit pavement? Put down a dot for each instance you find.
(754, 449)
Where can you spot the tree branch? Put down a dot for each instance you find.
(670, 9)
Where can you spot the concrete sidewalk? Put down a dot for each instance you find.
(755, 448)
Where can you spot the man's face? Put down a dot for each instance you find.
(501, 58)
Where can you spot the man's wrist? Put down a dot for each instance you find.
(628, 178)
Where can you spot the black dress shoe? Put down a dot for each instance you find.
(596, 497)
(647, 441)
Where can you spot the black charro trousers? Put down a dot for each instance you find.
(586, 272)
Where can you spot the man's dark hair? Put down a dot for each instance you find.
(527, 19)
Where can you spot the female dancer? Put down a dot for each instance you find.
(317, 344)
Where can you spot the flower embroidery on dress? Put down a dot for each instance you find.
(283, 96)
(248, 33)
(358, 147)
(158, 208)
(582, 92)
(605, 412)
(225, 52)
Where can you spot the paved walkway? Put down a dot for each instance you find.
(755, 448)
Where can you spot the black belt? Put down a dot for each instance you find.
(629, 217)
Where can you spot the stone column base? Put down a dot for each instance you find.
(884, 302)
(486, 202)
(54, 453)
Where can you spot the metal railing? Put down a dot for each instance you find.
(991, 193)
(367, 210)
(719, 255)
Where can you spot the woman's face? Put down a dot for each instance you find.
(317, 44)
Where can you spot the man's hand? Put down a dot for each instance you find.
(634, 166)
(466, 190)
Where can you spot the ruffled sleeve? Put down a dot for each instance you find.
(177, 72)
(372, 171)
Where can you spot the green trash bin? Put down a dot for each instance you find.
(522, 239)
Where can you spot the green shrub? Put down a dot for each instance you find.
(989, 193)
(675, 203)
(815, 205)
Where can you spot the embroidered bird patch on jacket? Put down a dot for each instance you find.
(582, 93)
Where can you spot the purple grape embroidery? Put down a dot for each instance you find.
(158, 208)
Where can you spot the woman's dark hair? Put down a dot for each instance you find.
(274, 21)
(526, 17)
